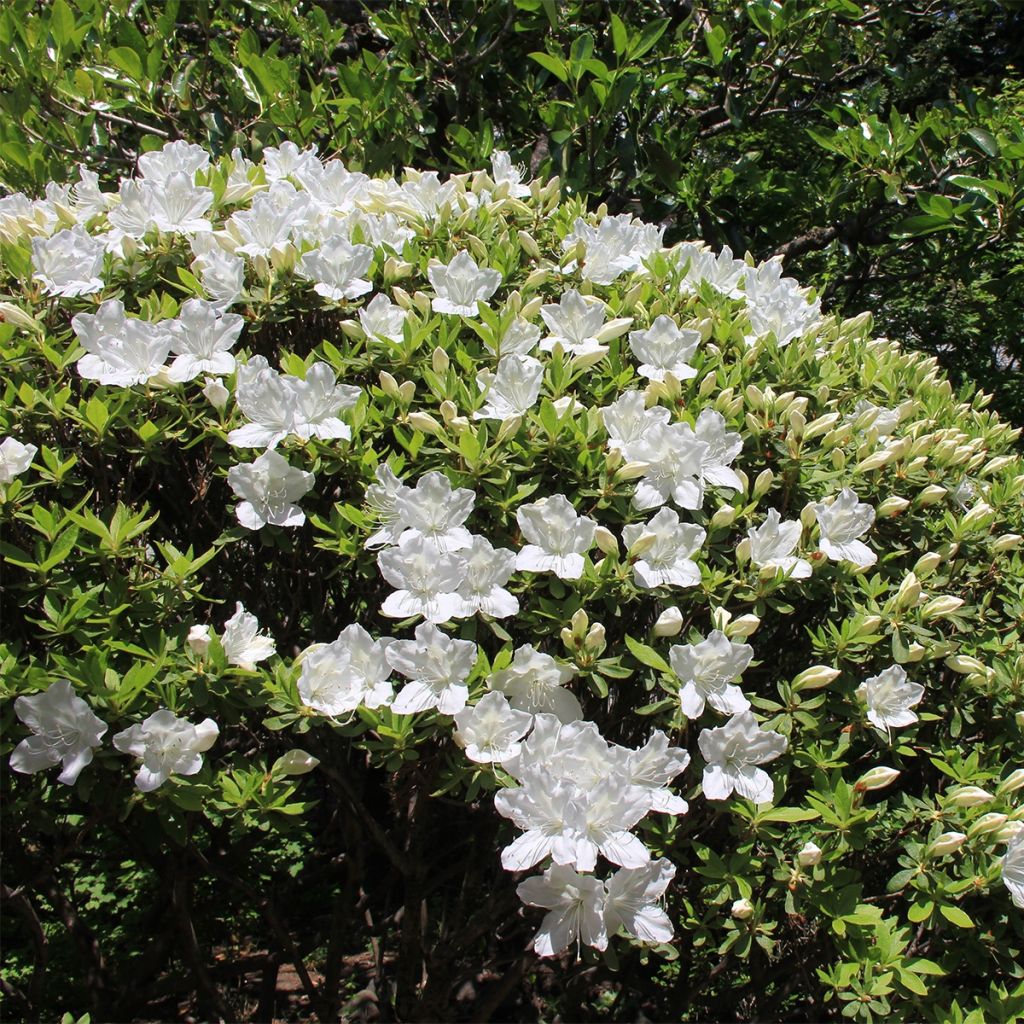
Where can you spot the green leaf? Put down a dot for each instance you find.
(62, 23)
(620, 36)
(954, 915)
(647, 655)
(715, 41)
(649, 38)
(127, 60)
(553, 64)
(984, 140)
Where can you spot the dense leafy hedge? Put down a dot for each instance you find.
(332, 487)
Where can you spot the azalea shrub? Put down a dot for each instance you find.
(487, 610)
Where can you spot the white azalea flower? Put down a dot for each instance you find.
(65, 731)
(513, 390)
(782, 309)
(1012, 870)
(88, 199)
(269, 488)
(265, 229)
(202, 341)
(889, 698)
(168, 745)
(337, 678)
(842, 522)
(490, 730)
(668, 561)
(733, 752)
(675, 458)
(507, 176)
(576, 904)
(69, 263)
(319, 398)
(242, 641)
(287, 160)
(488, 569)
(632, 901)
(772, 545)
(721, 272)
(239, 185)
(654, 766)
(331, 186)
(461, 284)
(178, 205)
(337, 267)
(15, 458)
(120, 350)
(381, 498)
(265, 398)
(381, 318)
(519, 339)
(575, 322)
(426, 579)
(628, 421)
(707, 669)
(618, 245)
(723, 447)
(437, 667)
(435, 511)
(385, 231)
(174, 158)
(558, 537)
(425, 195)
(883, 421)
(534, 682)
(131, 216)
(549, 811)
(221, 273)
(664, 348)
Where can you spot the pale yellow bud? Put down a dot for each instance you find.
(948, 842)
(595, 639)
(743, 551)
(876, 461)
(891, 506)
(815, 677)
(762, 483)
(579, 622)
(877, 778)
(614, 328)
(406, 391)
(669, 622)
(1007, 542)
(915, 652)
(439, 360)
(755, 397)
(529, 244)
(389, 385)
(632, 470)
(869, 624)
(532, 308)
(1009, 831)
(294, 762)
(707, 385)
(909, 592)
(458, 425)
(425, 423)
(567, 637)
(965, 665)
(797, 422)
(991, 822)
(448, 410)
(723, 517)
(642, 544)
(821, 425)
(509, 428)
(742, 909)
(980, 517)
(808, 515)
(744, 626)
(927, 563)
(720, 618)
(1012, 782)
(931, 494)
(606, 540)
(809, 855)
(939, 607)
(998, 463)
(968, 796)
(838, 458)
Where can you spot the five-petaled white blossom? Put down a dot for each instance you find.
(535, 682)
(841, 523)
(64, 731)
(461, 284)
(381, 318)
(121, 350)
(490, 730)
(336, 269)
(666, 551)
(435, 511)
(772, 545)
(168, 745)
(576, 909)
(488, 569)
(663, 348)
(202, 339)
(733, 752)
(437, 667)
(15, 458)
(269, 488)
(707, 670)
(69, 263)
(242, 641)
(426, 577)
(513, 390)
(558, 537)
(632, 904)
(889, 698)
(576, 323)
(338, 677)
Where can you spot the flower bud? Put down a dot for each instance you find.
(915, 652)
(509, 428)
(927, 563)
(567, 638)
(606, 540)
(643, 543)
(1012, 782)
(877, 778)
(1019, 719)
(762, 483)
(931, 494)
(991, 822)
(891, 506)
(723, 517)
(797, 422)
(594, 642)
(743, 551)
(199, 639)
(215, 392)
(869, 624)
(669, 622)
(939, 607)
(581, 362)
(389, 385)
(406, 391)
(980, 517)
(875, 461)
(439, 360)
(965, 665)
(1009, 831)
(12, 314)
(809, 855)
(632, 470)
(295, 762)
(968, 796)
(708, 384)
(744, 626)
(425, 423)
(1007, 542)
(529, 244)
(948, 842)
(909, 592)
(579, 622)
(742, 909)
(821, 425)
(448, 410)
(808, 516)
(998, 463)
(815, 677)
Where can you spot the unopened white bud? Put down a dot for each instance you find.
(877, 778)
(707, 385)
(998, 463)
(931, 494)
(909, 592)
(743, 551)
(295, 762)
(199, 639)
(815, 677)
(643, 543)
(742, 909)
(669, 622)
(389, 385)
(965, 665)
(821, 425)
(567, 637)
(968, 796)
(425, 423)
(939, 607)
(927, 563)
(439, 360)
(1007, 542)
(606, 540)
(875, 461)
(449, 410)
(869, 624)
(979, 517)
(529, 244)
(948, 842)
(891, 506)
(809, 855)
(744, 626)
(723, 517)
(762, 483)
(580, 621)
(216, 394)
(1012, 782)
(594, 641)
(991, 822)
(1009, 831)
(632, 470)
(509, 428)
(808, 516)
